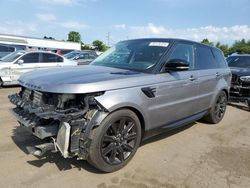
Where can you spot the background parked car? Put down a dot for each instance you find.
(7, 49)
(82, 57)
(19, 62)
(240, 86)
(63, 52)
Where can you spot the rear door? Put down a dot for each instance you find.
(209, 75)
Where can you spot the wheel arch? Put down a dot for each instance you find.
(139, 115)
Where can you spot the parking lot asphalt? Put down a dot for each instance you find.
(199, 155)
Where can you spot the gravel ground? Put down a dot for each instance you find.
(199, 155)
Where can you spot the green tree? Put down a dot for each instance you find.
(207, 42)
(99, 45)
(85, 46)
(242, 46)
(74, 36)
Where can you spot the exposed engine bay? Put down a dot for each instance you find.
(63, 121)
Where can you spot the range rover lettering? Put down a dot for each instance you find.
(101, 112)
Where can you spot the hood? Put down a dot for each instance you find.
(83, 79)
(240, 71)
(4, 64)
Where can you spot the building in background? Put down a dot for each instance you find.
(38, 43)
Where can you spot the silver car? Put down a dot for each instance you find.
(15, 64)
(83, 57)
(138, 88)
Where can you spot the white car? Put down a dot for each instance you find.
(15, 64)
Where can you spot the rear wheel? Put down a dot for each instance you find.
(248, 103)
(115, 141)
(217, 112)
(1, 83)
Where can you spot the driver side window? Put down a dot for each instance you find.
(185, 53)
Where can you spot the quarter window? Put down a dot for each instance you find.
(184, 52)
(31, 58)
(219, 59)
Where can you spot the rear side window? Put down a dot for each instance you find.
(51, 58)
(92, 56)
(31, 58)
(84, 56)
(219, 59)
(204, 58)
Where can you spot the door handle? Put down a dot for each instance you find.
(192, 78)
(217, 74)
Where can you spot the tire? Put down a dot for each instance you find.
(115, 141)
(217, 111)
(248, 103)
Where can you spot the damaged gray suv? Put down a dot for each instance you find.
(101, 112)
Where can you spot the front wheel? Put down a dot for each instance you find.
(115, 141)
(217, 111)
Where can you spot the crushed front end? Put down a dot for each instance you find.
(63, 121)
(240, 89)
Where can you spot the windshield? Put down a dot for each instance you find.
(137, 55)
(71, 55)
(12, 56)
(239, 61)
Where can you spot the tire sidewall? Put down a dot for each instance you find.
(95, 156)
(215, 119)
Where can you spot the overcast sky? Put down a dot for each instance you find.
(217, 20)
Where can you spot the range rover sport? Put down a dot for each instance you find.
(101, 112)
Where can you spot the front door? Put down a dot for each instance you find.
(30, 61)
(177, 91)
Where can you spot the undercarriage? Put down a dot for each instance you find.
(63, 121)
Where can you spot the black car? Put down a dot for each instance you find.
(240, 86)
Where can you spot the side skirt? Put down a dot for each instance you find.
(173, 125)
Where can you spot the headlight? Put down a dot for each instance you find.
(245, 78)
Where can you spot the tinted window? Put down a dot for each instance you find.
(31, 58)
(50, 58)
(92, 56)
(184, 52)
(238, 61)
(83, 56)
(205, 58)
(219, 59)
(11, 49)
(3, 49)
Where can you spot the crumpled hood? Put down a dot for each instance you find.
(240, 71)
(83, 79)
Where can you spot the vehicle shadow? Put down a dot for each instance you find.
(240, 106)
(165, 134)
(26, 142)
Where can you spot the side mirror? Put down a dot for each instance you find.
(176, 65)
(76, 58)
(20, 62)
